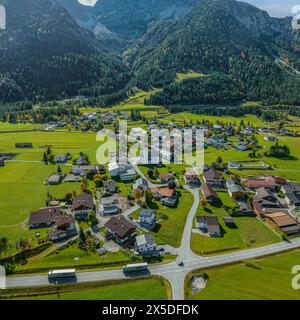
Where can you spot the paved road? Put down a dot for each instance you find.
(172, 271)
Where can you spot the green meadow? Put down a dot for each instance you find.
(170, 228)
(249, 232)
(72, 256)
(152, 288)
(6, 126)
(267, 278)
(22, 180)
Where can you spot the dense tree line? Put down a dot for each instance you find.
(207, 89)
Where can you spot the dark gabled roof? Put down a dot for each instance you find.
(212, 223)
(83, 200)
(164, 192)
(281, 219)
(213, 175)
(291, 229)
(292, 187)
(109, 200)
(294, 197)
(63, 220)
(110, 184)
(120, 225)
(228, 220)
(209, 192)
(44, 215)
(263, 193)
(147, 213)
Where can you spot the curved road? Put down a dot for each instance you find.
(174, 273)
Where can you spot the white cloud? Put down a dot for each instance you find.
(90, 3)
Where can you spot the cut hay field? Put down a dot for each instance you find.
(153, 288)
(7, 126)
(22, 188)
(267, 278)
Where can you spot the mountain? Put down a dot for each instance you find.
(59, 48)
(86, 17)
(231, 38)
(129, 19)
(45, 54)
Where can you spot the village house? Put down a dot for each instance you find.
(145, 245)
(110, 205)
(270, 137)
(192, 179)
(292, 194)
(147, 218)
(64, 227)
(61, 158)
(110, 186)
(124, 172)
(120, 229)
(166, 196)
(235, 191)
(263, 182)
(234, 165)
(209, 194)
(229, 222)
(82, 160)
(284, 223)
(82, 205)
(215, 141)
(244, 210)
(266, 201)
(214, 178)
(44, 217)
(209, 224)
(165, 177)
(84, 169)
(241, 146)
(140, 184)
(55, 178)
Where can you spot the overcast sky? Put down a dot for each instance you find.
(278, 8)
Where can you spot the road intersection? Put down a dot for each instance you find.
(176, 271)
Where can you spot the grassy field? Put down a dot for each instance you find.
(189, 75)
(135, 102)
(6, 126)
(249, 232)
(186, 117)
(73, 257)
(267, 278)
(22, 181)
(153, 288)
(170, 229)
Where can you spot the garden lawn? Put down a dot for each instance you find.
(152, 288)
(249, 231)
(74, 257)
(170, 230)
(265, 278)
